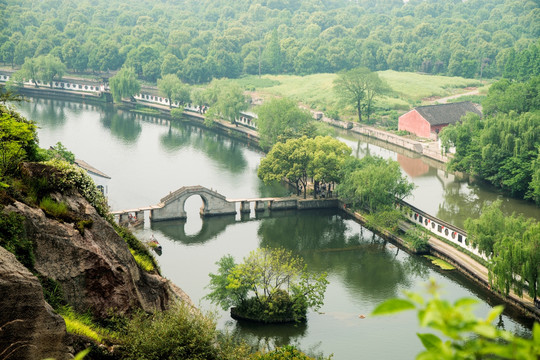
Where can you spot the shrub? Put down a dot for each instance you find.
(332, 114)
(13, 239)
(72, 177)
(418, 239)
(278, 307)
(177, 113)
(145, 263)
(178, 333)
(288, 352)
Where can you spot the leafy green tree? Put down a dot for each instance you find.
(278, 117)
(328, 156)
(270, 285)
(170, 65)
(226, 101)
(485, 231)
(194, 69)
(43, 68)
(359, 87)
(173, 89)
(23, 49)
(299, 159)
(501, 148)
(61, 152)
(505, 96)
(105, 56)
(140, 56)
(124, 84)
(372, 183)
(49, 68)
(465, 336)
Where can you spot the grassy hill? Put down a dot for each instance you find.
(316, 91)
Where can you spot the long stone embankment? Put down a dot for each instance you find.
(465, 264)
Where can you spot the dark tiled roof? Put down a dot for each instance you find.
(446, 113)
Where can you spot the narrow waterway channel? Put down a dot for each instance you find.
(147, 157)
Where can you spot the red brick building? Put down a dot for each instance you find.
(427, 121)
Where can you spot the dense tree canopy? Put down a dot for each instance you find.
(18, 140)
(201, 40)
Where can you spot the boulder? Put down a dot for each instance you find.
(29, 329)
(95, 268)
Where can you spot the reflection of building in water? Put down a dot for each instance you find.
(414, 167)
(417, 167)
(101, 179)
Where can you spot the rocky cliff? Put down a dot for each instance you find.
(92, 265)
(29, 329)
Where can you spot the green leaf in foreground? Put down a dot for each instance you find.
(393, 306)
(430, 341)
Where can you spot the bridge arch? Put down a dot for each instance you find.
(171, 207)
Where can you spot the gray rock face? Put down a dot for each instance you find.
(29, 329)
(96, 270)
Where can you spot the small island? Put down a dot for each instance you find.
(270, 286)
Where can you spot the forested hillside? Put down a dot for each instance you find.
(203, 39)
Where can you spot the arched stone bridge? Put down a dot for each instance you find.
(172, 206)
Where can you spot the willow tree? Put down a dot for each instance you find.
(513, 245)
(124, 84)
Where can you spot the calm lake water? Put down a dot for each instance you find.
(147, 157)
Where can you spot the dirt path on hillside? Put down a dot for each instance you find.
(444, 100)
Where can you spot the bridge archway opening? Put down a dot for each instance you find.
(194, 205)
